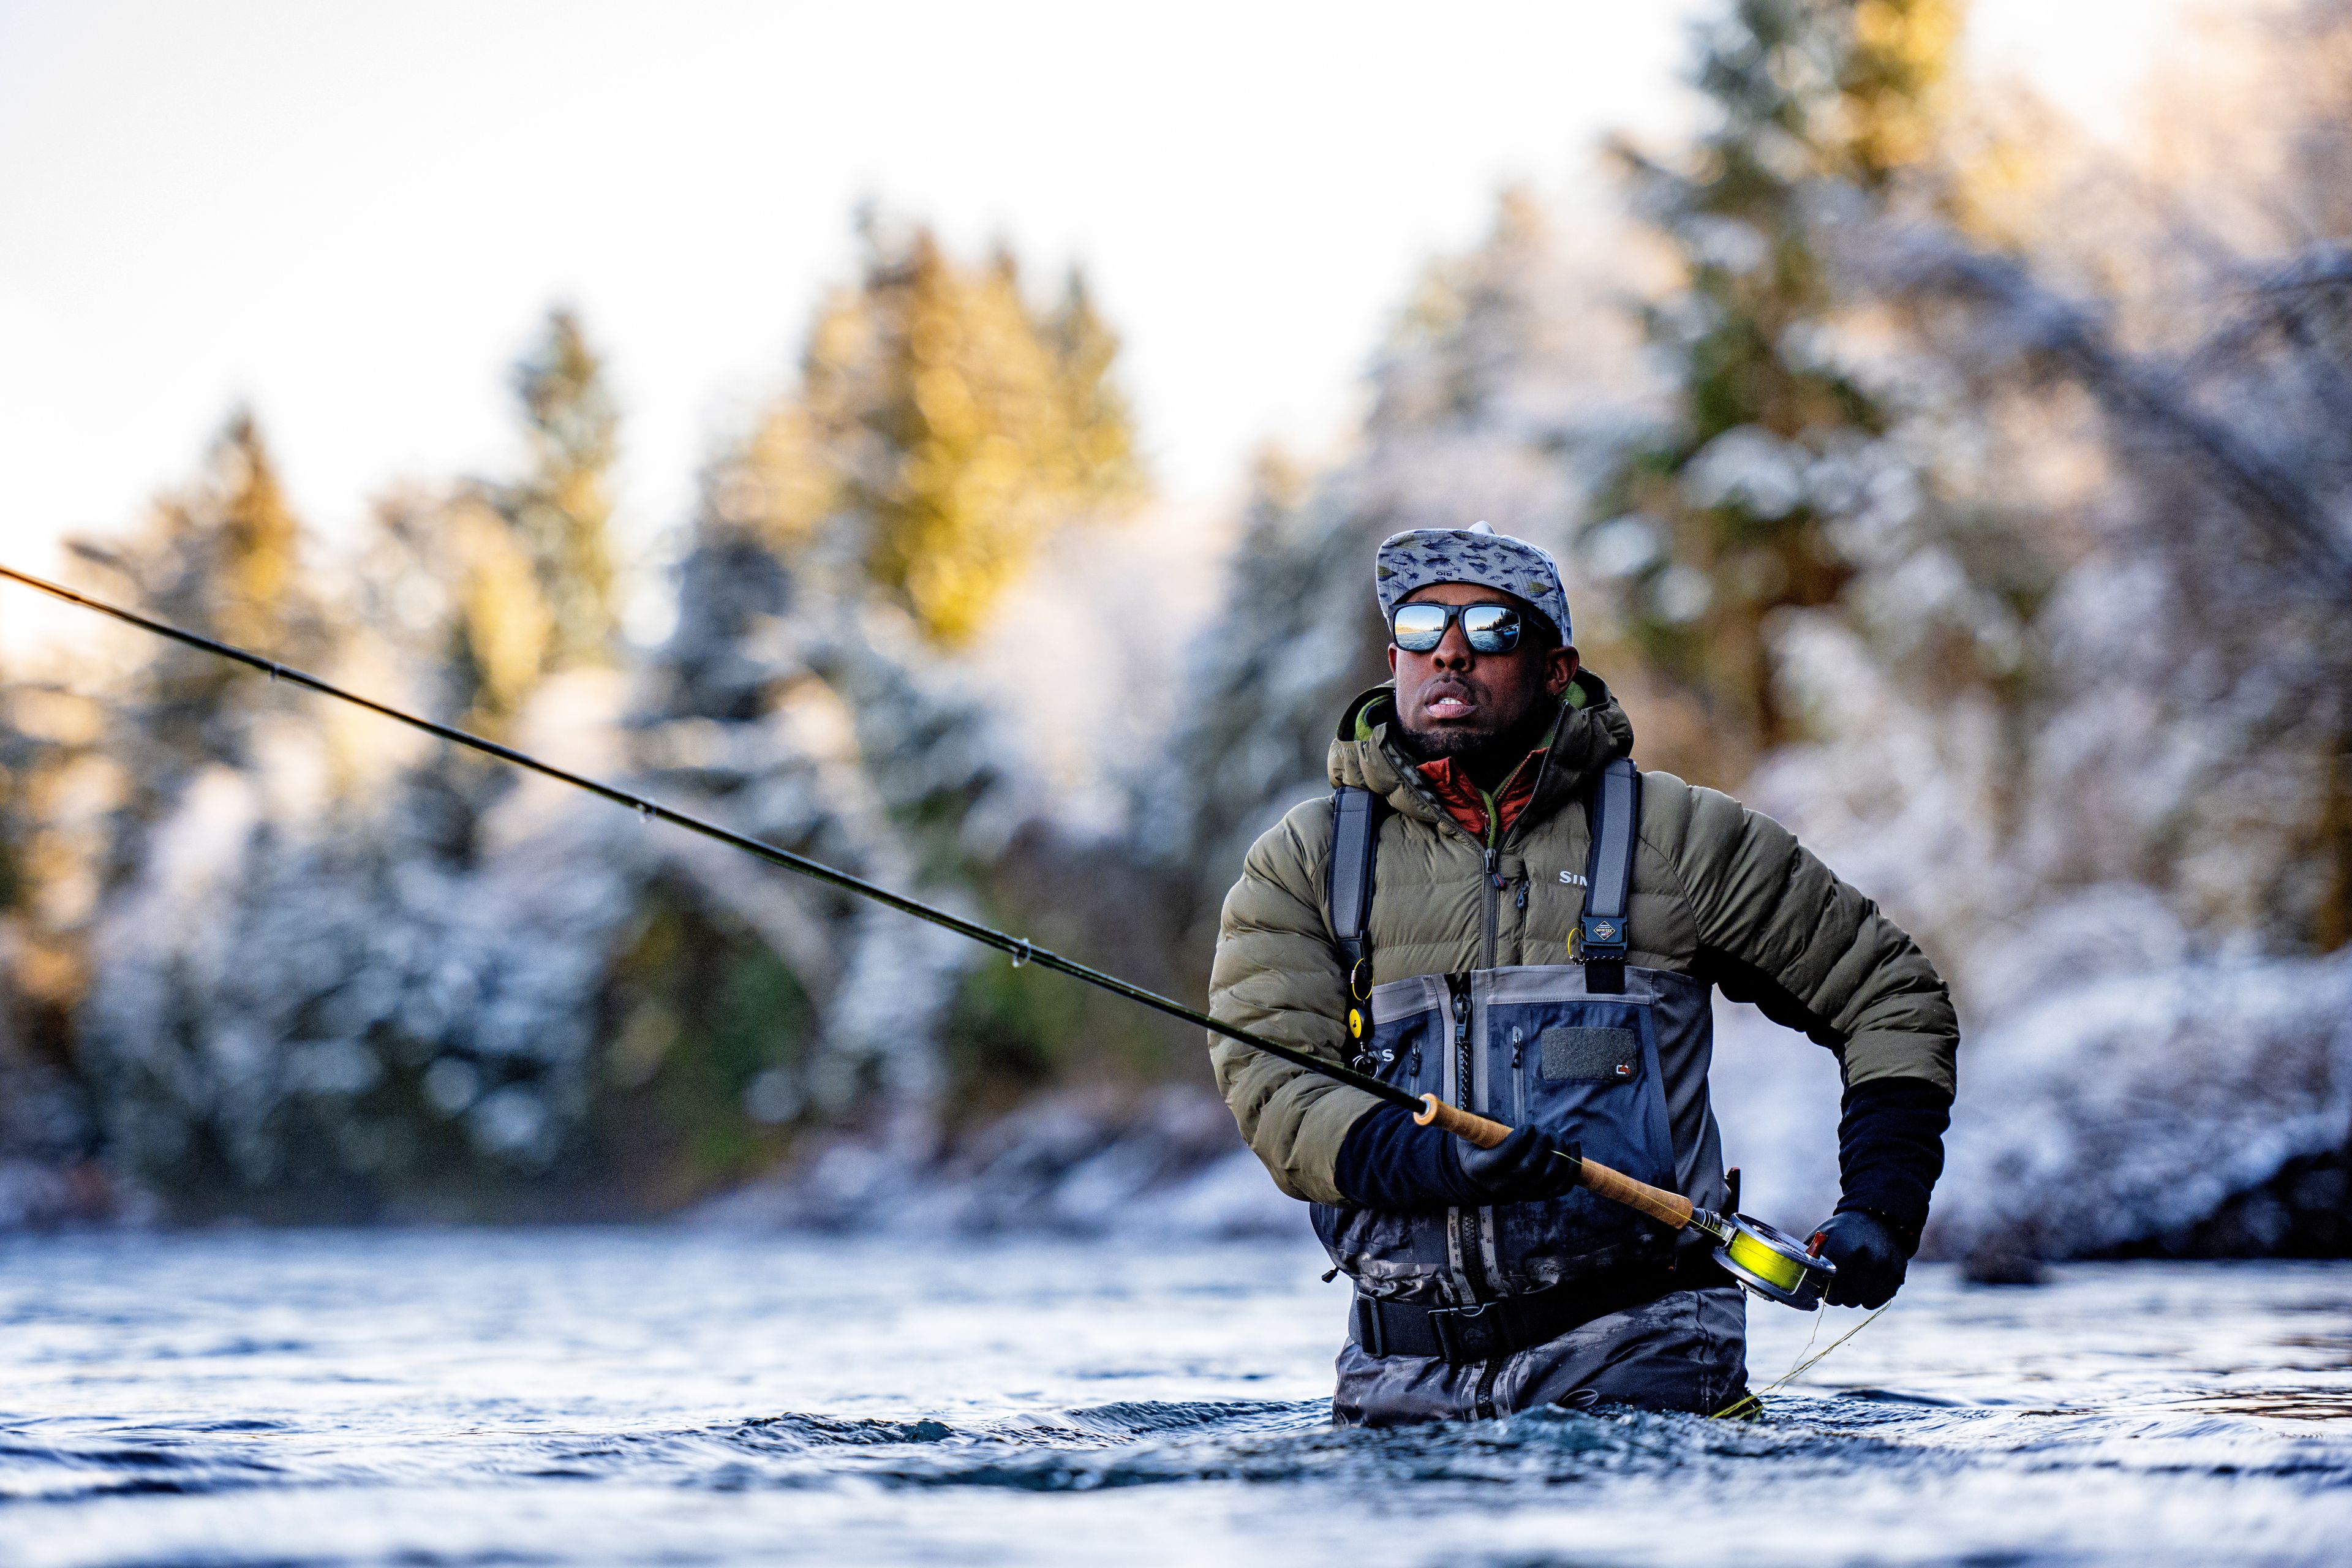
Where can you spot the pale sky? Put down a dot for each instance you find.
(354, 215)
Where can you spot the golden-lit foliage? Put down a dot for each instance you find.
(226, 557)
(227, 551)
(463, 580)
(259, 540)
(56, 790)
(1102, 428)
(2008, 151)
(948, 423)
(504, 621)
(564, 510)
(1890, 103)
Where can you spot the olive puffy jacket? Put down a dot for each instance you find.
(1720, 893)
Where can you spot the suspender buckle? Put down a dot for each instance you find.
(1601, 943)
(1601, 936)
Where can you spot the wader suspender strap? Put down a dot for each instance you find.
(1615, 815)
(1348, 894)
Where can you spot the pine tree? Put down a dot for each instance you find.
(1085, 352)
(259, 543)
(940, 430)
(1721, 520)
(224, 557)
(511, 582)
(563, 511)
(45, 891)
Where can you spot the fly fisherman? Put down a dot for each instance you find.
(1451, 921)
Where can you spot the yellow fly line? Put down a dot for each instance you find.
(1767, 1262)
(1752, 1405)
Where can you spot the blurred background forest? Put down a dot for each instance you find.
(1970, 495)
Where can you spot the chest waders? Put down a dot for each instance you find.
(1576, 1049)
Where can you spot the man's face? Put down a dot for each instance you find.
(1454, 698)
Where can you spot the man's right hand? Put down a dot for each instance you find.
(1870, 1258)
(1521, 1169)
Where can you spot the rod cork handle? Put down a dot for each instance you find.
(1665, 1207)
(1468, 1127)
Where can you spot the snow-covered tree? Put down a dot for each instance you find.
(563, 510)
(1742, 502)
(228, 558)
(940, 427)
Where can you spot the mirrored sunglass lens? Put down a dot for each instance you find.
(1419, 627)
(1491, 628)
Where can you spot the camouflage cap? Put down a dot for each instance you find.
(1412, 560)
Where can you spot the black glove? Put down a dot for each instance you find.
(1870, 1257)
(1520, 1169)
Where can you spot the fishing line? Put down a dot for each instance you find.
(1753, 1403)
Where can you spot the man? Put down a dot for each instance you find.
(1466, 792)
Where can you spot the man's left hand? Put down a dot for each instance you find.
(1870, 1258)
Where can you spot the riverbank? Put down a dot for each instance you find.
(1165, 1162)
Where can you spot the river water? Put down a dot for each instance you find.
(680, 1396)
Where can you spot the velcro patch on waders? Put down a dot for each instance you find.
(1610, 1056)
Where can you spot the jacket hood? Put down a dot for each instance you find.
(1592, 732)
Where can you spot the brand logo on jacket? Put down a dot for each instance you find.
(1573, 878)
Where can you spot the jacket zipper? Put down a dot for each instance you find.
(1492, 907)
(1487, 852)
(1469, 1225)
(1492, 855)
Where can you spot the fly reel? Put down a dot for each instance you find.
(1770, 1262)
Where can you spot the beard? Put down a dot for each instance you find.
(1476, 746)
(1452, 741)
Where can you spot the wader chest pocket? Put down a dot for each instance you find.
(1605, 1056)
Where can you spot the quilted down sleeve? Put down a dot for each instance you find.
(1776, 926)
(1277, 974)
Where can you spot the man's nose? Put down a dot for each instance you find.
(1454, 650)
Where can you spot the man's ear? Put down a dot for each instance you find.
(1560, 668)
(1393, 653)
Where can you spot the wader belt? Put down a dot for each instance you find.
(1485, 1329)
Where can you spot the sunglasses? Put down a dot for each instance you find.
(1489, 628)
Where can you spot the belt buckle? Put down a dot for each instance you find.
(1464, 1333)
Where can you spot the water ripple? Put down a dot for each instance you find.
(655, 1397)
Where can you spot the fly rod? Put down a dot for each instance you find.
(1766, 1260)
